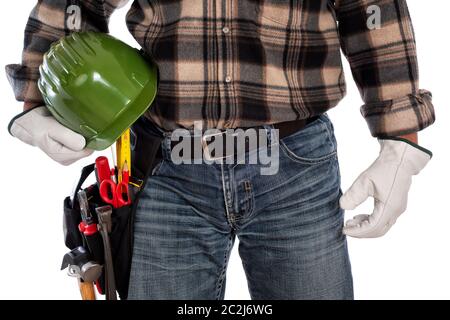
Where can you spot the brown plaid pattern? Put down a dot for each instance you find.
(242, 63)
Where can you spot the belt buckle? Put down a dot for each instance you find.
(207, 151)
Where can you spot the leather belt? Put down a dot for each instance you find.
(290, 127)
(285, 129)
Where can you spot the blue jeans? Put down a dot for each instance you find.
(289, 226)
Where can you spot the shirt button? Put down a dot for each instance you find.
(228, 79)
(226, 30)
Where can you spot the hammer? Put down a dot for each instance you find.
(80, 266)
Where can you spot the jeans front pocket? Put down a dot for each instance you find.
(314, 144)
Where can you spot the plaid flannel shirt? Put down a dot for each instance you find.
(242, 63)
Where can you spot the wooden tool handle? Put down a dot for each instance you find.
(87, 290)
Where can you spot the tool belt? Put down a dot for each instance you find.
(145, 155)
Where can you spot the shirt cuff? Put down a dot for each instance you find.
(23, 80)
(401, 116)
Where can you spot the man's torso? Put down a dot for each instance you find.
(240, 63)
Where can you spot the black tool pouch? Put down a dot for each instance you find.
(145, 155)
(72, 216)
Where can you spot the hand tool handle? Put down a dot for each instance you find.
(86, 215)
(108, 193)
(86, 290)
(123, 195)
(103, 169)
(109, 268)
(104, 220)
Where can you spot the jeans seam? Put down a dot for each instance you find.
(249, 202)
(157, 168)
(306, 161)
(330, 133)
(222, 274)
(229, 216)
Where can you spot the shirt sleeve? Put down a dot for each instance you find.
(49, 21)
(378, 40)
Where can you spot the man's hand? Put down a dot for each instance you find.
(37, 127)
(388, 181)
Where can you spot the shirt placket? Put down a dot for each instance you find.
(226, 74)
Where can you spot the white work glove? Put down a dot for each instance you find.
(37, 127)
(388, 181)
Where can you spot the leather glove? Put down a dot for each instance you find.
(388, 181)
(37, 127)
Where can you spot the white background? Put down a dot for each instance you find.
(411, 262)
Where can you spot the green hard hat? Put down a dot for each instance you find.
(97, 85)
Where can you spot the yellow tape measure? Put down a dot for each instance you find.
(123, 148)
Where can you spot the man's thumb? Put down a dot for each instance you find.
(357, 194)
